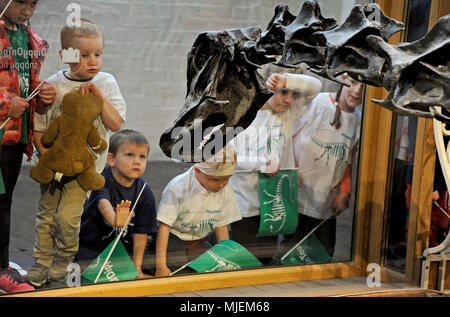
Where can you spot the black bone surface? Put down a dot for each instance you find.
(223, 87)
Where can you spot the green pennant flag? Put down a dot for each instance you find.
(227, 255)
(120, 267)
(2, 184)
(308, 252)
(278, 196)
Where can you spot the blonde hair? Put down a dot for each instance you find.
(86, 29)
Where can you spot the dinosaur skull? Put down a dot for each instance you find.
(417, 74)
(223, 90)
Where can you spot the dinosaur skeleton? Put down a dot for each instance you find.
(225, 90)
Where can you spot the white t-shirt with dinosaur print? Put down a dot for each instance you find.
(268, 138)
(322, 154)
(193, 212)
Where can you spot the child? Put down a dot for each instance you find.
(265, 146)
(19, 76)
(325, 143)
(127, 159)
(193, 205)
(59, 211)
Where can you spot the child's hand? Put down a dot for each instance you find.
(341, 203)
(300, 178)
(276, 82)
(17, 108)
(435, 196)
(47, 94)
(271, 168)
(162, 271)
(122, 214)
(87, 88)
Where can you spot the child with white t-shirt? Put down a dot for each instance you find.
(266, 146)
(193, 205)
(325, 144)
(60, 207)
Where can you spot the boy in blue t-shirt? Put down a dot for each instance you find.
(106, 211)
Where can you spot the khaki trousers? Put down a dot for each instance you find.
(58, 222)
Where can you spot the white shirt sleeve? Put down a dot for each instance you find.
(168, 207)
(112, 93)
(309, 87)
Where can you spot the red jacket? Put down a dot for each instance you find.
(9, 86)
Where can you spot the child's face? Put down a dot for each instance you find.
(211, 183)
(351, 97)
(129, 162)
(19, 11)
(91, 57)
(282, 100)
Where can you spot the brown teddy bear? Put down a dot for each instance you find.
(70, 138)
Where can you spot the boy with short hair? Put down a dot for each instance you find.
(59, 211)
(193, 205)
(100, 223)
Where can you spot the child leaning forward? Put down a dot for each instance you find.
(193, 205)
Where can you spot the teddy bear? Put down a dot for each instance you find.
(70, 138)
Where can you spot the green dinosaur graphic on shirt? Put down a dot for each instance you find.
(338, 150)
(274, 141)
(200, 228)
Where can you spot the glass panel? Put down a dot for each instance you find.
(440, 211)
(403, 156)
(145, 48)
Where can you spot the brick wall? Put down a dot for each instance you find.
(146, 42)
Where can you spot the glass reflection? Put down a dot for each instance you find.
(403, 156)
(333, 236)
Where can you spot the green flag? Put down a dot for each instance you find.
(227, 255)
(120, 267)
(308, 252)
(278, 195)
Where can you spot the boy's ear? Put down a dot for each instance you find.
(110, 159)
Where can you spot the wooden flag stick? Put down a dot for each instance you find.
(181, 268)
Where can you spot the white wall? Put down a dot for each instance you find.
(146, 42)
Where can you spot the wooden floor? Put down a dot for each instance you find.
(355, 286)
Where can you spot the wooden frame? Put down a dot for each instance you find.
(374, 164)
(370, 215)
(423, 173)
(423, 177)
